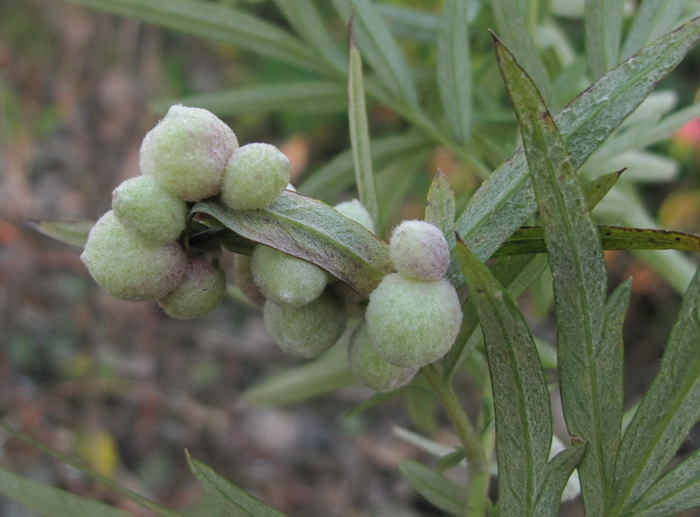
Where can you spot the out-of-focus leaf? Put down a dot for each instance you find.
(506, 200)
(74, 233)
(51, 501)
(377, 399)
(227, 495)
(216, 22)
(142, 501)
(309, 229)
(450, 460)
(436, 488)
(288, 97)
(678, 490)
(603, 30)
(330, 372)
(410, 23)
(652, 19)
(440, 211)
(453, 68)
(667, 411)
(359, 137)
(578, 269)
(530, 239)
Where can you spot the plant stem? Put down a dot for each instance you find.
(477, 464)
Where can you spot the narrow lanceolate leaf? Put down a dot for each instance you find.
(215, 22)
(506, 200)
(228, 496)
(380, 49)
(287, 97)
(51, 501)
(74, 233)
(651, 19)
(303, 16)
(530, 239)
(310, 229)
(675, 492)
(144, 502)
(520, 395)
(436, 488)
(359, 135)
(603, 32)
(666, 413)
(577, 265)
(557, 476)
(512, 26)
(440, 211)
(453, 68)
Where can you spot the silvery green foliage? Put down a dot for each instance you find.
(128, 267)
(286, 279)
(187, 152)
(419, 250)
(144, 207)
(306, 330)
(255, 175)
(411, 322)
(370, 368)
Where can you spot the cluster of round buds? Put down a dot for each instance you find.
(134, 251)
(413, 315)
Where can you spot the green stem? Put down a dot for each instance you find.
(477, 491)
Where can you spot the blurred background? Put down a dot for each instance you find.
(127, 389)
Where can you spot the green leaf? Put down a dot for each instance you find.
(450, 460)
(505, 201)
(215, 22)
(142, 501)
(380, 49)
(603, 33)
(677, 491)
(436, 488)
(556, 477)
(409, 23)
(325, 374)
(530, 239)
(303, 16)
(309, 229)
(667, 411)
(578, 269)
(377, 399)
(359, 136)
(74, 233)
(440, 211)
(453, 68)
(520, 393)
(513, 29)
(51, 501)
(288, 97)
(227, 495)
(337, 175)
(652, 19)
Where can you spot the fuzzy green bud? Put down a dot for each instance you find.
(307, 330)
(370, 368)
(357, 212)
(187, 152)
(255, 175)
(419, 250)
(286, 279)
(202, 288)
(144, 207)
(412, 322)
(129, 268)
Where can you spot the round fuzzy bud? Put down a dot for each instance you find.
(307, 330)
(255, 175)
(357, 212)
(202, 288)
(286, 279)
(129, 268)
(370, 368)
(419, 250)
(411, 322)
(144, 207)
(187, 152)
(243, 275)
